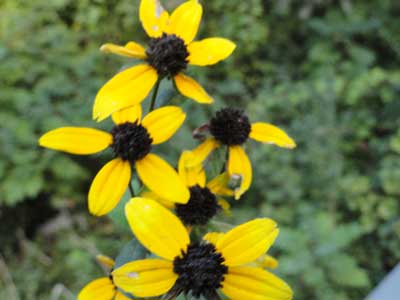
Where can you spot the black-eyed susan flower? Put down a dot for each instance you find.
(131, 140)
(170, 50)
(205, 198)
(199, 268)
(102, 288)
(232, 128)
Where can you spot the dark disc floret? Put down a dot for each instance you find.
(200, 270)
(131, 141)
(201, 207)
(168, 55)
(230, 126)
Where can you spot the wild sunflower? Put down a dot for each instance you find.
(102, 288)
(170, 50)
(205, 198)
(231, 127)
(199, 268)
(131, 140)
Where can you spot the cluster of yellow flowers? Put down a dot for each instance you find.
(171, 202)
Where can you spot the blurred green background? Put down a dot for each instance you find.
(326, 71)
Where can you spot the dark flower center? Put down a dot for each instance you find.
(201, 207)
(131, 141)
(230, 126)
(200, 270)
(167, 54)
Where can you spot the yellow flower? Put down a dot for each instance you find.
(199, 268)
(205, 198)
(231, 127)
(102, 288)
(169, 52)
(131, 140)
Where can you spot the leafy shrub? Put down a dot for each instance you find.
(326, 71)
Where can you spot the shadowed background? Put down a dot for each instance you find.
(328, 72)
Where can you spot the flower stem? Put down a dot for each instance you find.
(131, 190)
(154, 96)
(224, 165)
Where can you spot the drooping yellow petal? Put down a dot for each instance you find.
(247, 242)
(161, 200)
(145, 278)
(185, 20)
(120, 296)
(131, 49)
(213, 237)
(162, 123)
(254, 283)
(106, 261)
(270, 134)
(202, 151)
(209, 51)
(99, 289)
(190, 172)
(188, 87)
(267, 262)
(157, 228)
(153, 17)
(131, 114)
(109, 186)
(76, 140)
(219, 185)
(128, 88)
(239, 167)
(162, 179)
(226, 207)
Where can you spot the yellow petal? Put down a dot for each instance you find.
(247, 242)
(76, 140)
(185, 20)
(145, 278)
(131, 49)
(130, 114)
(190, 88)
(213, 237)
(109, 186)
(254, 283)
(161, 200)
(267, 262)
(158, 229)
(226, 207)
(219, 185)
(190, 172)
(153, 17)
(270, 134)
(202, 151)
(239, 166)
(99, 289)
(106, 261)
(162, 179)
(162, 123)
(209, 51)
(128, 88)
(120, 296)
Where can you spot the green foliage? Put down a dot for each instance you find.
(328, 72)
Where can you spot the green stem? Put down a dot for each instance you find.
(154, 96)
(131, 190)
(223, 168)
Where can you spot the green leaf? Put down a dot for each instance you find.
(130, 252)
(343, 270)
